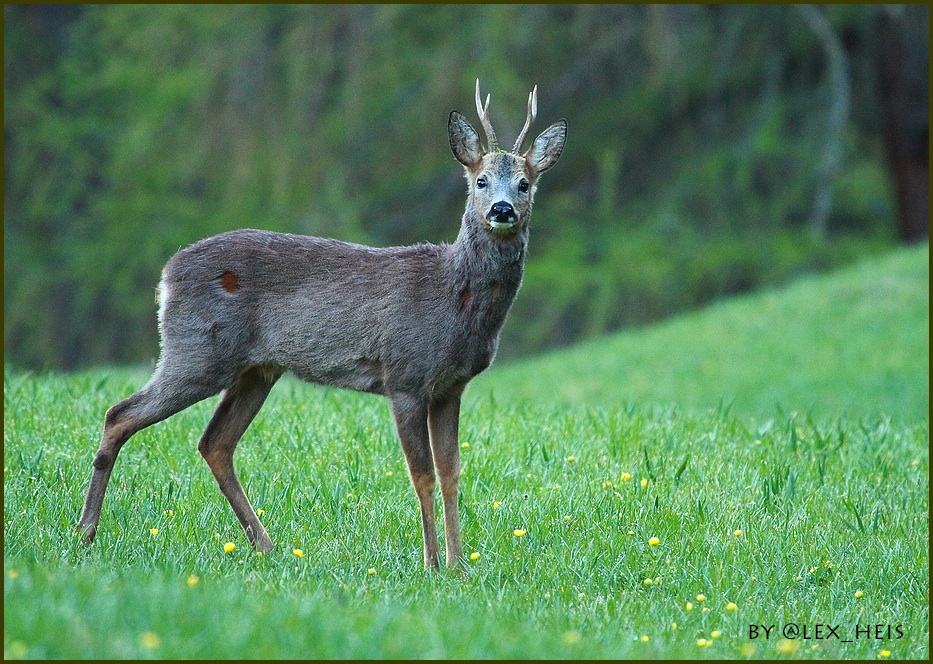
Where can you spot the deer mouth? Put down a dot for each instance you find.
(501, 225)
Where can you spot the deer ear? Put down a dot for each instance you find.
(544, 152)
(464, 141)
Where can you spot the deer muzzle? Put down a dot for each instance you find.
(502, 215)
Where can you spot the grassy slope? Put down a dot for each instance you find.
(826, 508)
(856, 343)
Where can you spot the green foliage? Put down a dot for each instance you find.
(854, 342)
(131, 131)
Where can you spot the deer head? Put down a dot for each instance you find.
(502, 184)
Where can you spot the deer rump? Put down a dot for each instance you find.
(378, 320)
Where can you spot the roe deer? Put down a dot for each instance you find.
(414, 324)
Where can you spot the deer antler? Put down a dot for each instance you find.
(484, 118)
(532, 112)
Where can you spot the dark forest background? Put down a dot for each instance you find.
(712, 149)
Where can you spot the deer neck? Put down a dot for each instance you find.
(480, 254)
(487, 270)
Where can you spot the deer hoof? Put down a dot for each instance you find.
(87, 533)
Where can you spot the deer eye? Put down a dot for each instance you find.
(481, 182)
(523, 186)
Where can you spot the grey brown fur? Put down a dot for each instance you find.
(412, 323)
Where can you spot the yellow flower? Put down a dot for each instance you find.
(737, 532)
(496, 505)
(389, 473)
(643, 638)
(371, 571)
(260, 512)
(701, 597)
(673, 625)
(703, 643)
(13, 574)
(229, 547)
(519, 532)
(787, 646)
(626, 477)
(631, 532)
(299, 553)
(644, 482)
(464, 446)
(193, 580)
(647, 582)
(474, 555)
(689, 606)
(859, 594)
(747, 649)
(153, 531)
(567, 518)
(149, 640)
(715, 633)
(884, 653)
(654, 541)
(571, 459)
(731, 606)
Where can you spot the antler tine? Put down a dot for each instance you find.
(532, 112)
(484, 118)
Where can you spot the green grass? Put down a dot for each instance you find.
(828, 506)
(856, 342)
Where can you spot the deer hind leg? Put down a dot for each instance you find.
(411, 420)
(234, 414)
(163, 396)
(443, 421)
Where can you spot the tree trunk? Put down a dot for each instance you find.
(904, 73)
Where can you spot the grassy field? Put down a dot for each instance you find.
(763, 515)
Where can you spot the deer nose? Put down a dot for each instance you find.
(502, 214)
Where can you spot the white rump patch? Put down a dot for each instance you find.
(162, 294)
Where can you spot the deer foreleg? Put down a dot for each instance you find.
(411, 419)
(443, 421)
